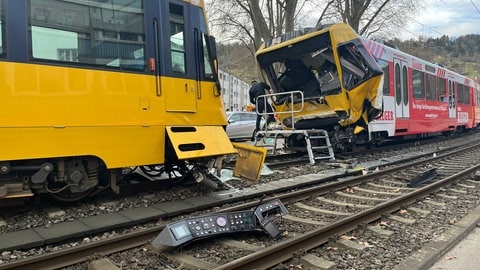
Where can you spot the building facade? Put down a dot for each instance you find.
(234, 92)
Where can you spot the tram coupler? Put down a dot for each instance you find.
(203, 179)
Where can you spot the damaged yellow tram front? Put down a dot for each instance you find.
(325, 79)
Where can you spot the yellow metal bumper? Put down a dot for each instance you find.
(199, 141)
(249, 162)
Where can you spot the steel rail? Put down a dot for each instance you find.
(283, 251)
(81, 253)
(352, 180)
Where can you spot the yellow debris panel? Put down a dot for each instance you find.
(249, 162)
(199, 141)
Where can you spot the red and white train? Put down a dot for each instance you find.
(421, 98)
(331, 79)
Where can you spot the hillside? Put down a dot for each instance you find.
(238, 60)
(461, 55)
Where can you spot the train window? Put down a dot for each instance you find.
(206, 58)
(463, 94)
(460, 93)
(442, 89)
(450, 87)
(107, 33)
(177, 38)
(405, 85)
(386, 77)
(418, 83)
(2, 28)
(357, 64)
(467, 94)
(431, 87)
(398, 85)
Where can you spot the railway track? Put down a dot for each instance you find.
(324, 212)
(391, 195)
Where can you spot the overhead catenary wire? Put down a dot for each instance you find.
(475, 6)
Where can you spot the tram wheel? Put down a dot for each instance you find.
(67, 196)
(153, 170)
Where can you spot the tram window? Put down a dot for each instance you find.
(431, 87)
(2, 28)
(467, 94)
(405, 85)
(108, 34)
(177, 38)
(398, 86)
(206, 59)
(354, 66)
(418, 82)
(442, 84)
(463, 94)
(386, 77)
(459, 93)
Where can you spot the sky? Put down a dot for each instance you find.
(444, 17)
(438, 17)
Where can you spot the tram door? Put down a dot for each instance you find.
(452, 107)
(177, 48)
(401, 89)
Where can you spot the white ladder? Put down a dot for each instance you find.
(309, 135)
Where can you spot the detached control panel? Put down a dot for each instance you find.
(180, 232)
(222, 223)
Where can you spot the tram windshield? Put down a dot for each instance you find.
(311, 66)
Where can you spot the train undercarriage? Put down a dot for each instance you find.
(72, 179)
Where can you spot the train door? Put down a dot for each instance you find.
(179, 86)
(401, 89)
(452, 107)
(204, 51)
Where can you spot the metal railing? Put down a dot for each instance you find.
(317, 134)
(281, 96)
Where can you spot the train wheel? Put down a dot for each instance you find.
(378, 139)
(97, 181)
(67, 196)
(176, 172)
(153, 170)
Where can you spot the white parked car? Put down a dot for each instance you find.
(241, 125)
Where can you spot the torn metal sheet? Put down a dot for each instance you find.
(249, 162)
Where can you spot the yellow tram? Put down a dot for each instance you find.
(89, 87)
(323, 79)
